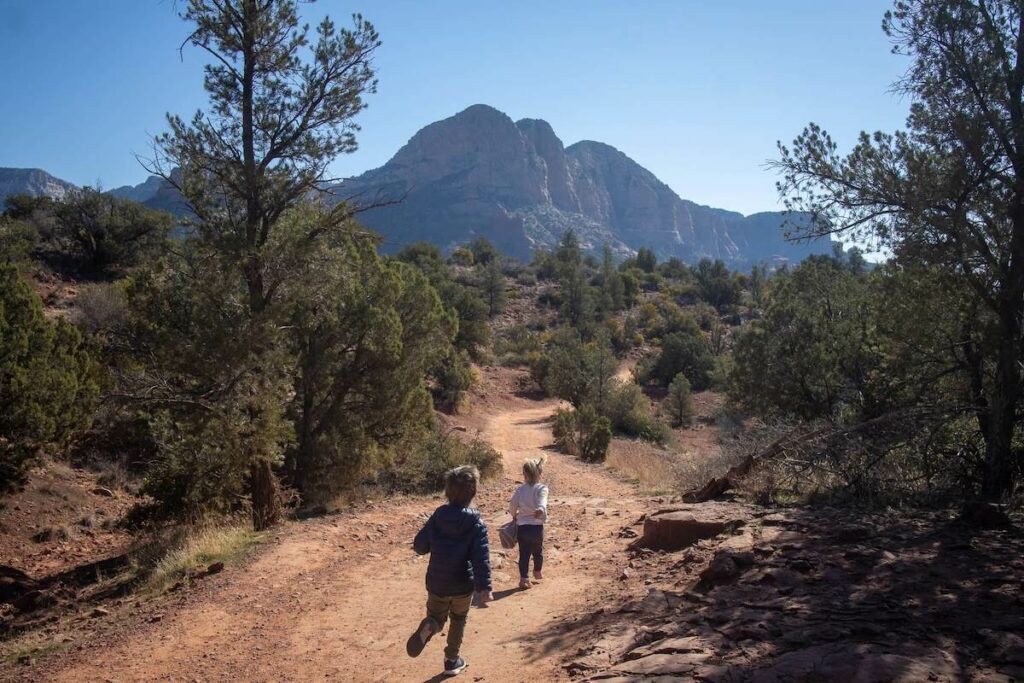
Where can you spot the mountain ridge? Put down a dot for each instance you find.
(32, 181)
(478, 173)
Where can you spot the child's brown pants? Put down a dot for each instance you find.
(440, 607)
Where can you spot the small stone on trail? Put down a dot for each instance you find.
(100, 612)
(215, 568)
(103, 491)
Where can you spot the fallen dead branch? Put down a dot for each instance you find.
(788, 442)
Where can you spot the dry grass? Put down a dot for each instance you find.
(198, 549)
(695, 472)
(650, 467)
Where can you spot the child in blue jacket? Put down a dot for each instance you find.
(459, 566)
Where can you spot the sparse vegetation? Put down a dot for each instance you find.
(583, 433)
(197, 550)
(419, 466)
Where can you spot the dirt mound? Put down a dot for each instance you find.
(64, 517)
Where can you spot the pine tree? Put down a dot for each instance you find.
(612, 296)
(492, 284)
(947, 193)
(678, 406)
(282, 104)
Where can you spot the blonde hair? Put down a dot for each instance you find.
(533, 468)
(460, 484)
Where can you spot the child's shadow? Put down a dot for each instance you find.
(501, 595)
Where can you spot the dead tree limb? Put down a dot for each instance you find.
(719, 485)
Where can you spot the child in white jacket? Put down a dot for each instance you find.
(529, 508)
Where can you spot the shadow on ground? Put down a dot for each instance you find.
(815, 594)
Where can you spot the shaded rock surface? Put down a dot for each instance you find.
(820, 595)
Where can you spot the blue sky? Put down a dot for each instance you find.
(697, 91)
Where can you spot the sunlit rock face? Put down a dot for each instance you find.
(479, 173)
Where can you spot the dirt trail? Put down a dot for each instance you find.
(335, 599)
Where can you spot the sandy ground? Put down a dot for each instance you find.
(336, 598)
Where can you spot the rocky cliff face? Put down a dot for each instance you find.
(31, 181)
(479, 173)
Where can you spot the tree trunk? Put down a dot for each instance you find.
(266, 503)
(1000, 469)
(252, 266)
(998, 479)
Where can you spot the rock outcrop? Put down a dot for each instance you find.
(678, 528)
(815, 595)
(33, 182)
(479, 173)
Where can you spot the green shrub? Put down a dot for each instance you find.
(462, 257)
(419, 466)
(100, 234)
(540, 368)
(18, 239)
(452, 379)
(682, 352)
(517, 346)
(582, 433)
(48, 381)
(579, 372)
(627, 411)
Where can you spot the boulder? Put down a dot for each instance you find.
(678, 529)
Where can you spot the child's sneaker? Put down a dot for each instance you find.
(537, 575)
(418, 640)
(454, 668)
(524, 583)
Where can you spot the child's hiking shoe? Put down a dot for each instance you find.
(524, 583)
(454, 668)
(537, 575)
(418, 640)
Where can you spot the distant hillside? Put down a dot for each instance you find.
(154, 192)
(480, 173)
(31, 181)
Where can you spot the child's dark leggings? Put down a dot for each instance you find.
(531, 543)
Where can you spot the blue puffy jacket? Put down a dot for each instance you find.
(460, 561)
